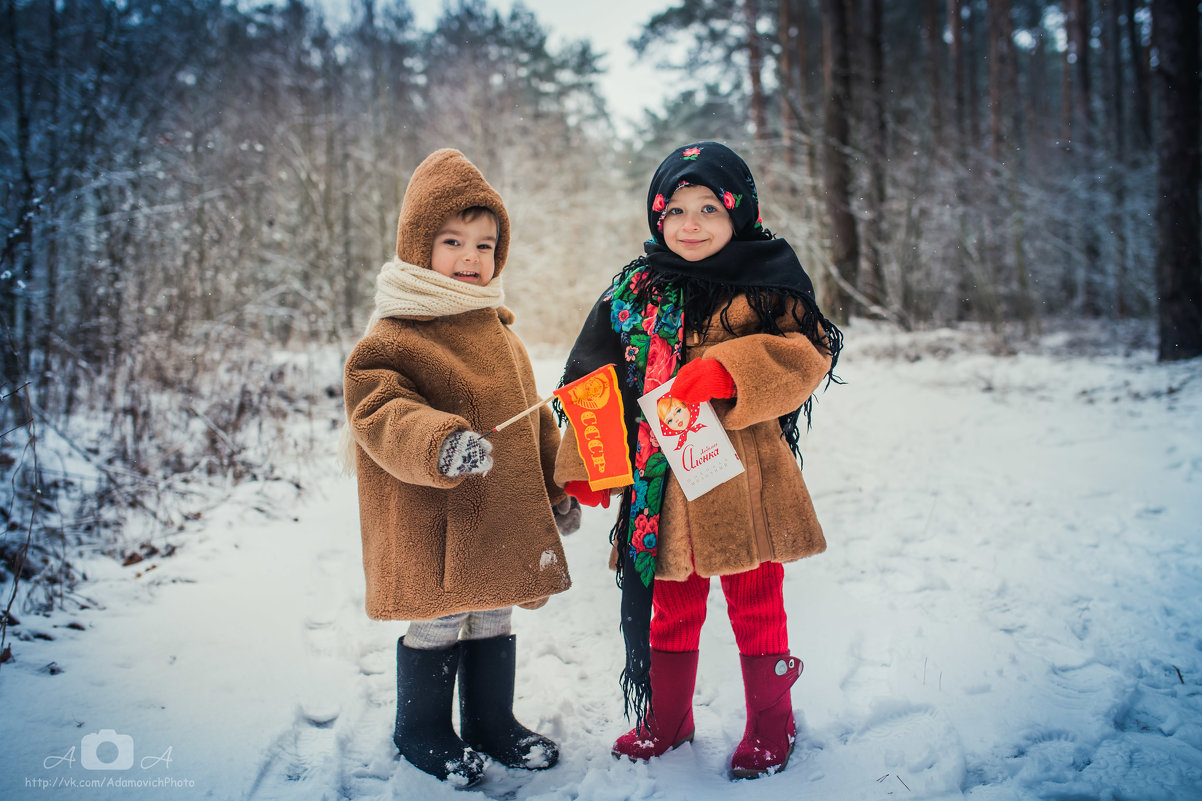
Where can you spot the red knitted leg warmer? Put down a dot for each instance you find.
(678, 610)
(756, 604)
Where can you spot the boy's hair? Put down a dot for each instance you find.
(471, 213)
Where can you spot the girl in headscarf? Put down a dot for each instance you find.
(726, 308)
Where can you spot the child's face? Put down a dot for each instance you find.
(696, 224)
(465, 250)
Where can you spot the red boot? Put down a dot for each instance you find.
(768, 738)
(670, 723)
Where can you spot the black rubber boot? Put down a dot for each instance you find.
(424, 736)
(486, 671)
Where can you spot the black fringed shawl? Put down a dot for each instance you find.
(755, 265)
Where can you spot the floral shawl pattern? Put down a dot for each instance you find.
(651, 343)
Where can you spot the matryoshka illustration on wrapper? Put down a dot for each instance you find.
(677, 419)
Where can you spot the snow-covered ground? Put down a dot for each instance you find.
(1010, 608)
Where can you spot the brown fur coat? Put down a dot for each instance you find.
(434, 545)
(766, 513)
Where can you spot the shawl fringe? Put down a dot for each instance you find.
(635, 679)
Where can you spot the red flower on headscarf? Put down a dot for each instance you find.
(691, 153)
(659, 203)
(728, 200)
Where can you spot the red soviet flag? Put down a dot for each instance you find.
(593, 404)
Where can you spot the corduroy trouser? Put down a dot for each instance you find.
(755, 604)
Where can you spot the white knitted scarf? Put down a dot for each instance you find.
(406, 290)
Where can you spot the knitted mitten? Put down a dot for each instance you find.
(464, 453)
(702, 379)
(567, 515)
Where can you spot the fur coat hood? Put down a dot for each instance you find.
(445, 183)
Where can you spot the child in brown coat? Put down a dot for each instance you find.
(456, 529)
(724, 307)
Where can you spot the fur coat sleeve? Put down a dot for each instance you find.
(392, 422)
(771, 373)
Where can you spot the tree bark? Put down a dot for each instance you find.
(1085, 146)
(876, 288)
(956, 24)
(933, 40)
(755, 58)
(785, 72)
(805, 76)
(1034, 100)
(836, 73)
(973, 56)
(996, 9)
(17, 253)
(1079, 36)
(1066, 99)
(1113, 90)
(1140, 81)
(1179, 178)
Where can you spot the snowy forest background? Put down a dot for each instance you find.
(196, 195)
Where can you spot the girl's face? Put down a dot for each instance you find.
(676, 417)
(696, 224)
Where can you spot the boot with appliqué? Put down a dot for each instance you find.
(768, 738)
(669, 722)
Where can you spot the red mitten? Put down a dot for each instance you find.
(581, 491)
(702, 379)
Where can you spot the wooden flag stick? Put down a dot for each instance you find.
(520, 415)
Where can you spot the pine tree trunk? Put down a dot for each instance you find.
(1114, 89)
(995, 9)
(932, 34)
(1140, 81)
(755, 58)
(16, 258)
(876, 288)
(785, 73)
(959, 101)
(1179, 178)
(1066, 101)
(1086, 140)
(845, 245)
(972, 59)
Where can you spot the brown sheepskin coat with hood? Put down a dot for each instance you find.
(765, 514)
(434, 545)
